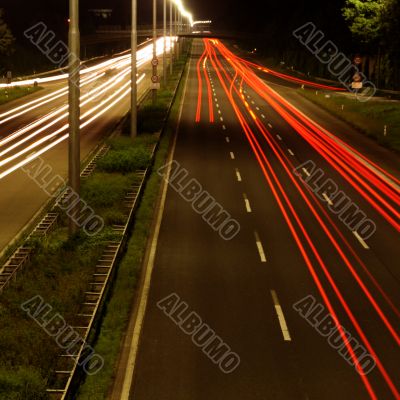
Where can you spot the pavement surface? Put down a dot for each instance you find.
(290, 247)
(36, 126)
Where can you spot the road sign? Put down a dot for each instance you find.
(357, 77)
(357, 85)
(154, 62)
(155, 79)
(155, 86)
(357, 60)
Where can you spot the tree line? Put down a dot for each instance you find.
(375, 26)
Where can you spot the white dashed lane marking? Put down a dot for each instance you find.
(361, 240)
(260, 248)
(247, 203)
(281, 317)
(238, 176)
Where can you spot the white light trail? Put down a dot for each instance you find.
(54, 117)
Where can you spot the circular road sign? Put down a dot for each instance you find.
(154, 79)
(154, 62)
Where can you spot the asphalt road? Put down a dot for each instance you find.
(245, 288)
(33, 126)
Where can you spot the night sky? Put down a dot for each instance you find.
(268, 20)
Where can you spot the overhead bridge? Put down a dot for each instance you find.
(113, 35)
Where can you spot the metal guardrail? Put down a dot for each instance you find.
(21, 257)
(17, 261)
(64, 375)
(89, 169)
(67, 365)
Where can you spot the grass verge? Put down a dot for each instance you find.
(60, 271)
(369, 118)
(118, 310)
(14, 93)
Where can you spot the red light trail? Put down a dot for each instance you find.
(360, 172)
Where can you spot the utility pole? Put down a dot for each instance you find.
(165, 42)
(177, 55)
(154, 77)
(134, 70)
(179, 31)
(74, 113)
(170, 38)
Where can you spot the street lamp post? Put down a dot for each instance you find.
(74, 113)
(180, 30)
(154, 77)
(134, 70)
(170, 37)
(165, 41)
(177, 55)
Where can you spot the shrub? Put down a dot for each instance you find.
(126, 160)
(25, 383)
(104, 190)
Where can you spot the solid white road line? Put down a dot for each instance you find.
(328, 200)
(238, 176)
(306, 172)
(134, 346)
(361, 240)
(232, 155)
(260, 248)
(281, 317)
(247, 203)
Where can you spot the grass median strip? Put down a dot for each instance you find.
(369, 117)
(118, 309)
(61, 267)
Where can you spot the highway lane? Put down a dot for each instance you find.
(377, 276)
(289, 247)
(37, 126)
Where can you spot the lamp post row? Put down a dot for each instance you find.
(74, 88)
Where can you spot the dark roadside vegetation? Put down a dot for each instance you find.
(370, 117)
(14, 93)
(118, 310)
(61, 267)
